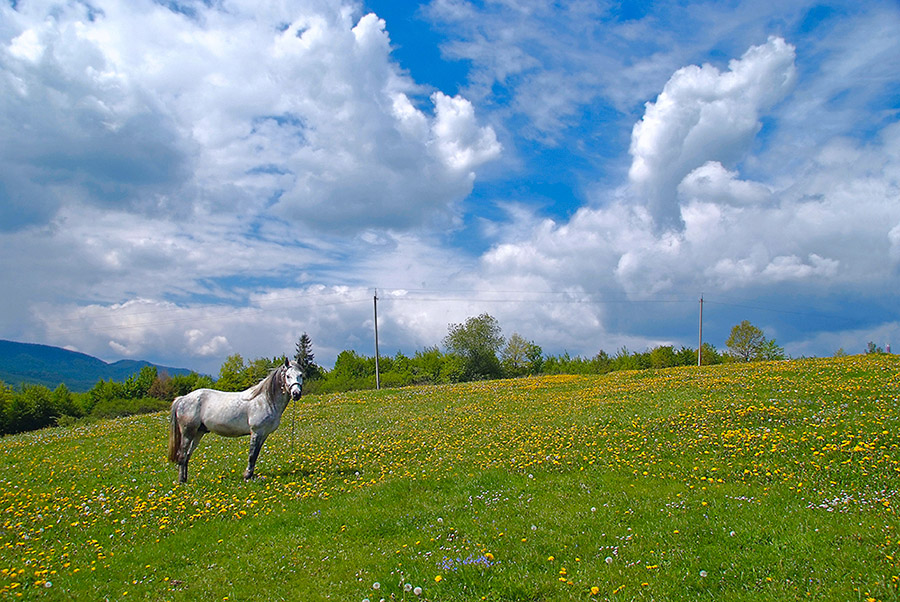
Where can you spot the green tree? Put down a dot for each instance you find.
(182, 384)
(306, 359)
(162, 388)
(872, 348)
(711, 355)
(626, 360)
(453, 369)
(520, 357)
(477, 341)
(350, 364)
(259, 368)
(138, 385)
(64, 402)
(535, 356)
(6, 399)
(748, 343)
(103, 392)
(514, 357)
(770, 351)
(232, 374)
(745, 341)
(31, 409)
(663, 357)
(427, 364)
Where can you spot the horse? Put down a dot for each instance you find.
(255, 412)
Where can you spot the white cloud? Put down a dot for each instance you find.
(827, 229)
(705, 115)
(130, 104)
(461, 143)
(894, 238)
(712, 183)
(203, 345)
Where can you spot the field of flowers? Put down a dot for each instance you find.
(770, 481)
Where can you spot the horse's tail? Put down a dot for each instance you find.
(174, 435)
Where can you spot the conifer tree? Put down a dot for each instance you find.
(305, 358)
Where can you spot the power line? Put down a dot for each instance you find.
(807, 314)
(315, 300)
(239, 312)
(237, 309)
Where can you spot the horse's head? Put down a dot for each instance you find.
(293, 379)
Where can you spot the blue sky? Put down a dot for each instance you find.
(181, 181)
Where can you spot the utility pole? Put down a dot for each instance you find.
(700, 344)
(377, 375)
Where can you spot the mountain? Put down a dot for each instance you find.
(50, 366)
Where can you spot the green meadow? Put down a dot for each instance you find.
(764, 481)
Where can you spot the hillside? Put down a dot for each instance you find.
(758, 482)
(50, 366)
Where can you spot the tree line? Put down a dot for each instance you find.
(32, 407)
(477, 350)
(472, 350)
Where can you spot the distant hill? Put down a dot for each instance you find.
(50, 366)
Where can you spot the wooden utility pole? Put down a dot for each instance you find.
(700, 344)
(377, 375)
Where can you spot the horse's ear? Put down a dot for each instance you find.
(287, 363)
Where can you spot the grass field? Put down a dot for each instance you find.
(775, 481)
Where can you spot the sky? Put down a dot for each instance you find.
(185, 180)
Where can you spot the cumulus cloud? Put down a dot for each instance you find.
(82, 130)
(829, 227)
(301, 108)
(168, 153)
(712, 183)
(705, 115)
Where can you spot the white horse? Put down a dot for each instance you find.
(255, 412)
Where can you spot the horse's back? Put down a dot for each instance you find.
(220, 412)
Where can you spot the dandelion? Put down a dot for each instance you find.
(376, 586)
(438, 579)
(408, 587)
(703, 573)
(609, 560)
(417, 591)
(595, 590)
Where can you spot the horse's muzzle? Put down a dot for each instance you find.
(296, 392)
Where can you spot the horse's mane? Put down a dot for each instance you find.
(271, 385)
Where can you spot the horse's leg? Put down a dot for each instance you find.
(183, 456)
(189, 440)
(256, 442)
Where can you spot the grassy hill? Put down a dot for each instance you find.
(775, 481)
(50, 366)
